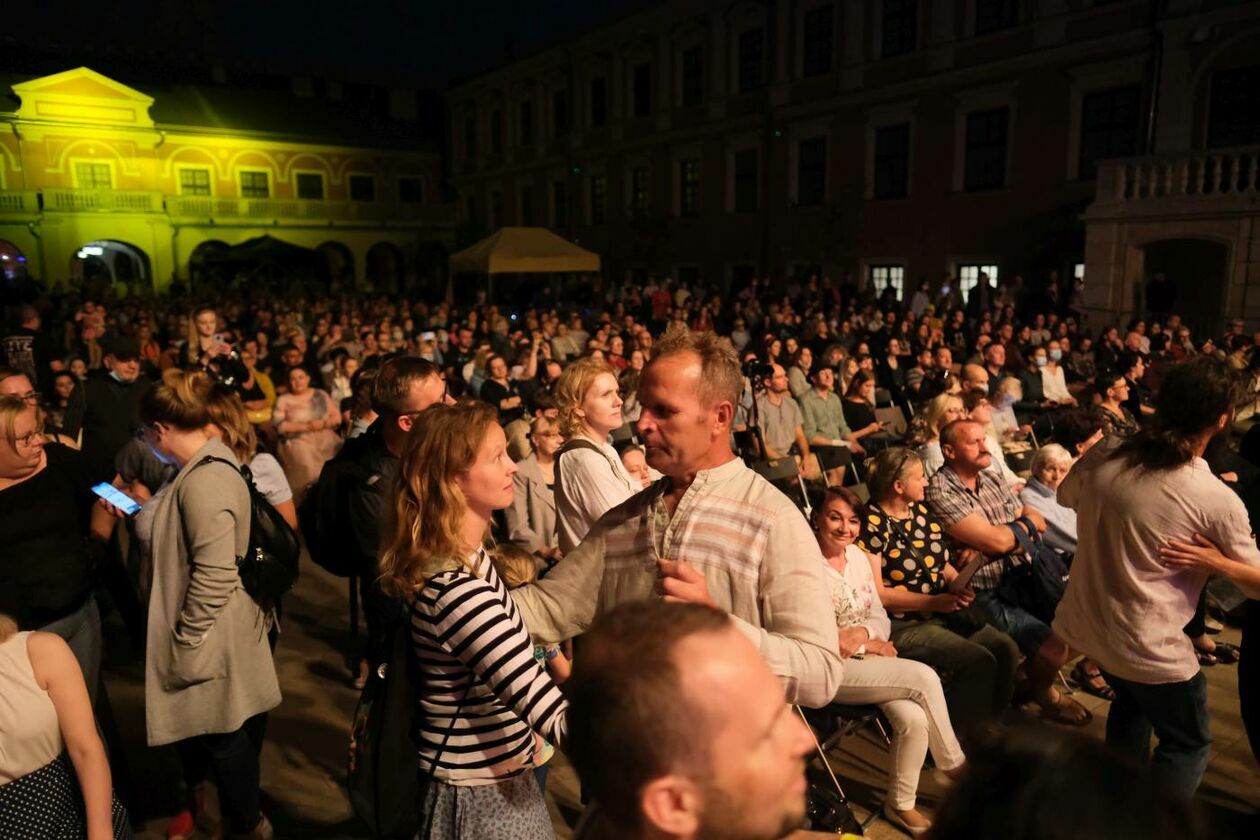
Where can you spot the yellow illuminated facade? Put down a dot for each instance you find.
(86, 172)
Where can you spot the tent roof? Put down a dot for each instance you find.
(524, 250)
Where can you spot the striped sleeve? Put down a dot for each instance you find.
(473, 619)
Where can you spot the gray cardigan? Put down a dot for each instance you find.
(531, 520)
(208, 667)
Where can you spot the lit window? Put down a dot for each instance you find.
(1078, 271)
(969, 276)
(255, 185)
(93, 176)
(888, 276)
(194, 182)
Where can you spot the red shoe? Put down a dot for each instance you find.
(181, 826)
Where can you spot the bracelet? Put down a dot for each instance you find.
(551, 653)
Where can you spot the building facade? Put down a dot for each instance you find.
(895, 140)
(98, 176)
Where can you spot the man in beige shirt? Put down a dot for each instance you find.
(711, 530)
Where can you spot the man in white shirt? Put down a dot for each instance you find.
(1125, 606)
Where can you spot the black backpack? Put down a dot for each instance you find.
(324, 514)
(269, 568)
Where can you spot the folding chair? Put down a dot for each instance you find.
(832, 724)
(895, 417)
(784, 474)
(833, 457)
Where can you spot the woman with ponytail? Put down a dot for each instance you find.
(1142, 505)
(209, 676)
(485, 702)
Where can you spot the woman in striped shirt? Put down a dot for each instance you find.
(485, 702)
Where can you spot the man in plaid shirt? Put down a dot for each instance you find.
(975, 507)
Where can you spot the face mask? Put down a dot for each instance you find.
(1040, 360)
(1003, 401)
(1056, 354)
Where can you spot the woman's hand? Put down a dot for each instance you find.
(878, 647)
(1201, 554)
(949, 602)
(852, 638)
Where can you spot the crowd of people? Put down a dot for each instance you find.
(844, 500)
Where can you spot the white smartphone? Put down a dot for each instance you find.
(117, 498)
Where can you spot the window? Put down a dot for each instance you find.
(362, 188)
(984, 166)
(197, 182)
(752, 56)
(527, 205)
(819, 33)
(310, 185)
(496, 209)
(642, 90)
(560, 112)
(746, 180)
(1234, 109)
(255, 185)
(811, 171)
(996, 15)
(892, 161)
(1078, 271)
(639, 189)
(1110, 121)
(599, 102)
(470, 138)
(410, 190)
(900, 27)
(886, 276)
(496, 132)
(969, 276)
(689, 187)
(93, 176)
(560, 204)
(599, 198)
(692, 76)
(527, 123)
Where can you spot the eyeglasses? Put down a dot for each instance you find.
(29, 439)
(30, 397)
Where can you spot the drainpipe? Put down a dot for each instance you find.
(1157, 61)
(33, 229)
(21, 158)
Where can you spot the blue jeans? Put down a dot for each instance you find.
(1028, 631)
(81, 630)
(1177, 713)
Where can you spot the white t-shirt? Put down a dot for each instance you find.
(269, 478)
(1124, 607)
(588, 485)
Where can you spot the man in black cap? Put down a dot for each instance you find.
(106, 406)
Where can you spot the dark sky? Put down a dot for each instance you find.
(364, 40)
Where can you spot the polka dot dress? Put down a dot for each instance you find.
(47, 805)
(913, 551)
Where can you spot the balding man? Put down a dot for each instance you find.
(975, 378)
(711, 530)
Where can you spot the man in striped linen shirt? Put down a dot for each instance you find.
(711, 531)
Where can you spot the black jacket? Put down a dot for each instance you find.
(108, 413)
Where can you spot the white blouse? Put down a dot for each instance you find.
(854, 596)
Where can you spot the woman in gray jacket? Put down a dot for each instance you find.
(209, 676)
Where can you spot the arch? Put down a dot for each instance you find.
(370, 165)
(168, 164)
(384, 267)
(320, 163)
(233, 162)
(64, 156)
(12, 263)
(108, 262)
(340, 263)
(199, 273)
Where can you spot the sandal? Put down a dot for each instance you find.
(1227, 654)
(1092, 682)
(1062, 712)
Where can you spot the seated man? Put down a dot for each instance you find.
(782, 423)
(975, 507)
(824, 422)
(711, 526)
(678, 729)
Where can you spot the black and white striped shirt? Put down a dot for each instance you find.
(479, 680)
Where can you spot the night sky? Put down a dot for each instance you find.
(375, 41)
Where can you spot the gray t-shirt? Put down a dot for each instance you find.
(269, 478)
(779, 422)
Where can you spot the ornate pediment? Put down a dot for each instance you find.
(83, 96)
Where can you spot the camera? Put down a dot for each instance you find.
(755, 369)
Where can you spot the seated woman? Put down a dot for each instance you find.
(859, 413)
(1113, 390)
(925, 429)
(907, 692)
(483, 698)
(930, 622)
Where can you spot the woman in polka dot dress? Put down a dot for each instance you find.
(54, 776)
(930, 622)
(908, 693)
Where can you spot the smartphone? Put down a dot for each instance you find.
(117, 498)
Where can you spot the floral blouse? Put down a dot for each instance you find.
(854, 597)
(913, 550)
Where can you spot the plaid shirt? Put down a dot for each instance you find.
(951, 501)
